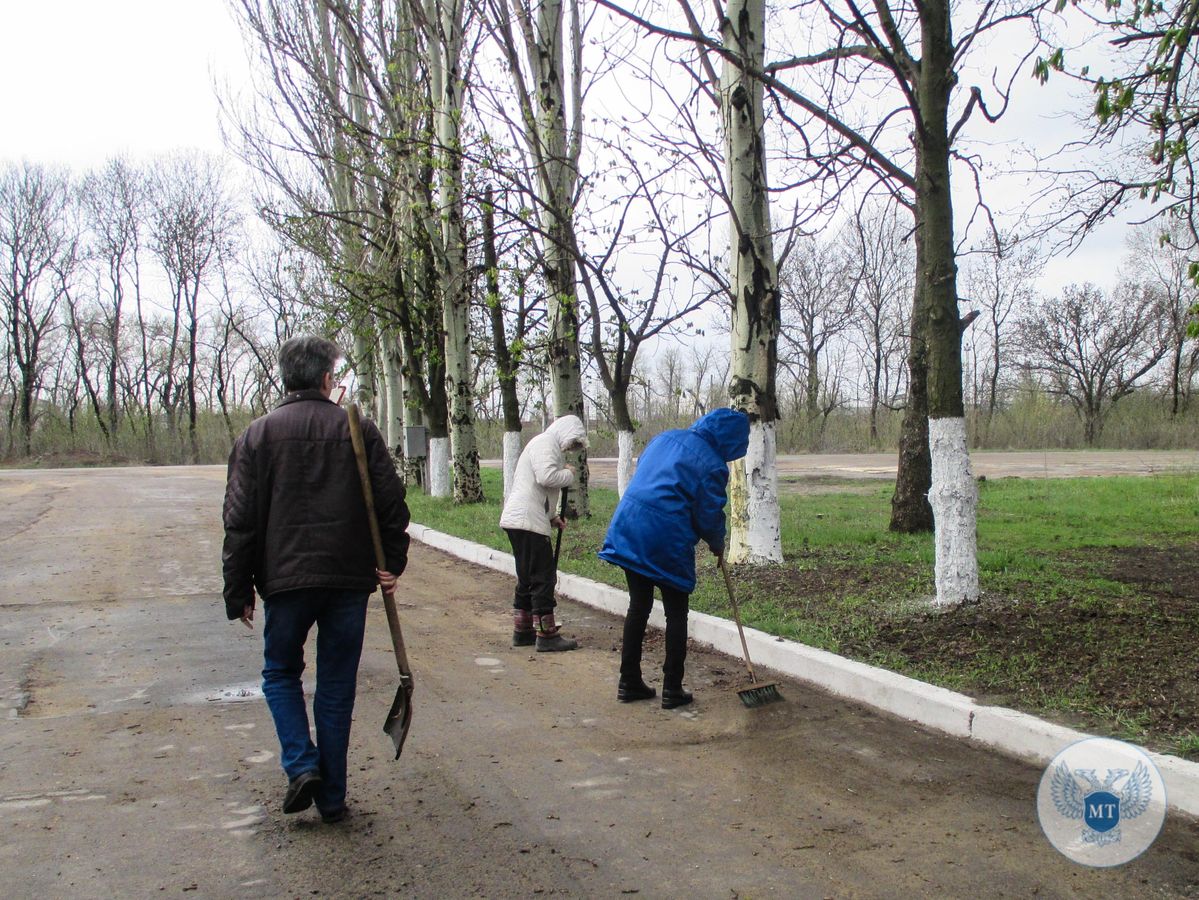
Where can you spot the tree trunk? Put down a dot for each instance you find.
(446, 84)
(364, 363)
(439, 467)
(393, 425)
(192, 328)
(624, 436)
(754, 534)
(511, 457)
(505, 365)
(954, 493)
(910, 509)
(557, 172)
(812, 387)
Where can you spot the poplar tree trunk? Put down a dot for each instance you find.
(393, 425)
(557, 173)
(504, 364)
(446, 83)
(754, 535)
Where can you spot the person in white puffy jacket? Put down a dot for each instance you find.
(530, 515)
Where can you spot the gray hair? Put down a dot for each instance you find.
(304, 360)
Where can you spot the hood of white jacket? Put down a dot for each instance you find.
(567, 429)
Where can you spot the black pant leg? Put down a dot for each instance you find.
(540, 573)
(641, 602)
(676, 605)
(523, 597)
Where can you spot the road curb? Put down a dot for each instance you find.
(1006, 730)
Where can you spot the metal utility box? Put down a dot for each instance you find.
(416, 441)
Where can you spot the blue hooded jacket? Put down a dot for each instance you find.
(676, 499)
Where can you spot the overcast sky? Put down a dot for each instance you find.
(87, 79)
(84, 80)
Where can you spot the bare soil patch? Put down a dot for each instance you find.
(1128, 657)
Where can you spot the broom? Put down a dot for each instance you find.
(756, 694)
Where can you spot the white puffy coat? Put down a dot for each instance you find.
(540, 475)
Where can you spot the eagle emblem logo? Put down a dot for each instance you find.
(1101, 803)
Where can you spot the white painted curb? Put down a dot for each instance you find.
(1006, 730)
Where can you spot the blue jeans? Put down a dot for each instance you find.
(340, 619)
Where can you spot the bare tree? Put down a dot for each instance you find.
(1092, 348)
(999, 282)
(883, 279)
(191, 228)
(1158, 259)
(38, 255)
(817, 307)
(114, 201)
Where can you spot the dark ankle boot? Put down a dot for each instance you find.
(523, 633)
(630, 690)
(548, 638)
(675, 696)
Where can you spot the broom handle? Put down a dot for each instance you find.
(368, 497)
(728, 584)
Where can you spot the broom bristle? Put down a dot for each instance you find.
(760, 695)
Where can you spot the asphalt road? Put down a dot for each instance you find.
(137, 757)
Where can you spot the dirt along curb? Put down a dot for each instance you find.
(1005, 730)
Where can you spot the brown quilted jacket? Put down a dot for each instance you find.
(294, 513)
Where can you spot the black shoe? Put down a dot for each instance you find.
(554, 643)
(632, 691)
(524, 638)
(336, 815)
(300, 791)
(672, 697)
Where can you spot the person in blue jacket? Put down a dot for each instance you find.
(675, 499)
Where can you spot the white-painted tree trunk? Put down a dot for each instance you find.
(624, 460)
(445, 80)
(394, 388)
(511, 455)
(753, 281)
(954, 499)
(439, 467)
(755, 535)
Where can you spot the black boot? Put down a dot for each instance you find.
(523, 634)
(630, 690)
(548, 638)
(675, 696)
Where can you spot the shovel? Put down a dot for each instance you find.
(558, 542)
(399, 719)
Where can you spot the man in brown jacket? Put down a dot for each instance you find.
(296, 530)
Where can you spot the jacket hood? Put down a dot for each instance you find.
(727, 430)
(567, 429)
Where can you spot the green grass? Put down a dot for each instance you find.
(1061, 631)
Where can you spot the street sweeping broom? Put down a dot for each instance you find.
(757, 694)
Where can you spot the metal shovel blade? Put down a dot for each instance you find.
(399, 720)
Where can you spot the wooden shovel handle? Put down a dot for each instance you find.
(368, 497)
(562, 516)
